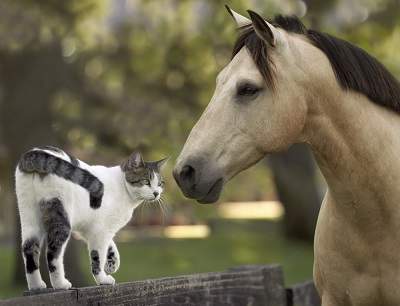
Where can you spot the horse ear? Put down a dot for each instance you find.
(135, 161)
(264, 29)
(161, 163)
(240, 20)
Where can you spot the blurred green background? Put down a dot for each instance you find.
(102, 78)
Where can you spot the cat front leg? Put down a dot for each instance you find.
(98, 256)
(112, 262)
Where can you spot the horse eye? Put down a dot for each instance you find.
(247, 90)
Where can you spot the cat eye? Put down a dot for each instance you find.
(146, 182)
(161, 184)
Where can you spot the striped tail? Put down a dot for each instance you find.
(43, 163)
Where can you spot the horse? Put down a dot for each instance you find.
(287, 84)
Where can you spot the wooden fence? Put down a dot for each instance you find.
(245, 285)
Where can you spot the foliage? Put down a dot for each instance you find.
(137, 74)
(105, 77)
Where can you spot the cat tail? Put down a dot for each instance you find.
(43, 163)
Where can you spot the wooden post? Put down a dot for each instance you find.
(246, 285)
(303, 294)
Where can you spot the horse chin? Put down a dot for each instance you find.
(213, 194)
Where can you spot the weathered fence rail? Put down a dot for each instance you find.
(246, 285)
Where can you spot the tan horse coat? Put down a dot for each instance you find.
(357, 241)
(356, 144)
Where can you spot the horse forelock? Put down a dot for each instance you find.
(258, 50)
(354, 68)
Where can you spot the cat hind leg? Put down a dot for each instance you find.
(31, 254)
(32, 235)
(58, 231)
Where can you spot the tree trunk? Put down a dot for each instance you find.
(29, 80)
(294, 176)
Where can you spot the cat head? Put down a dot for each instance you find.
(144, 179)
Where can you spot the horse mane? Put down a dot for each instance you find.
(354, 68)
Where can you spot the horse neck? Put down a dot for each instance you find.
(356, 144)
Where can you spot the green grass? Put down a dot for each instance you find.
(7, 263)
(230, 244)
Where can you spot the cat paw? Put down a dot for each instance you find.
(112, 262)
(106, 280)
(41, 285)
(111, 266)
(62, 284)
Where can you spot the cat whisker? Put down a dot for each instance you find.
(165, 205)
(162, 210)
(160, 202)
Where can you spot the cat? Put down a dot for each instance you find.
(58, 194)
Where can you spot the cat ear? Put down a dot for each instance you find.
(161, 163)
(134, 161)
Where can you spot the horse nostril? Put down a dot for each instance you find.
(188, 174)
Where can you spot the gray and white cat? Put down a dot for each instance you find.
(58, 194)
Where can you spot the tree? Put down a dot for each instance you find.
(294, 174)
(28, 92)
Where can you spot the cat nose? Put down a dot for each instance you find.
(155, 194)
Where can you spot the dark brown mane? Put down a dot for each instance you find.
(258, 50)
(354, 68)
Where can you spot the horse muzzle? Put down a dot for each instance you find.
(199, 180)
